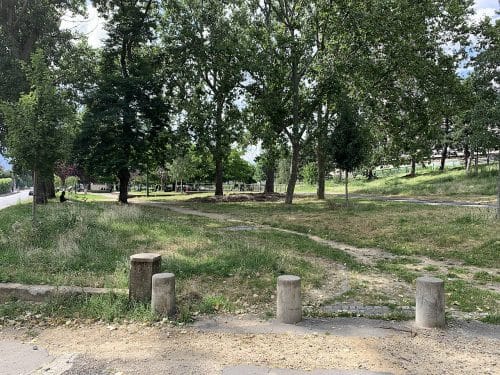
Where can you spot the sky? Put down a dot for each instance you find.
(93, 27)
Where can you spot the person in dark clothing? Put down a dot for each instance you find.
(62, 197)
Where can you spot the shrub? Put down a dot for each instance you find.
(5, 185)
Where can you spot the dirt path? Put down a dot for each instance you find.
(230, 345)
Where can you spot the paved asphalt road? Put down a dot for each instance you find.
(12, 199)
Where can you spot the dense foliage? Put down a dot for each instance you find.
(179, 85)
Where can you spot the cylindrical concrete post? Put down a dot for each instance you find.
(163, 294)
(142, 268)
(289, 303)
(430, 305)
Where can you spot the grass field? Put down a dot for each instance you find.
(470, 235)
(88, 242)
(453, 184)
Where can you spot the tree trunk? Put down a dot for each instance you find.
(218, 176)
(39, 189)
(321, 149)
(320, 156)
(50, 189)
(466, 157)
(33, 205)
(413, 167)
(444, 154)
(476, 163)
(294, 172)
(270, 173)
(321, 164)
(498, 189)
(346, 188)
(147, 182)
(295, 136)
(124, 177)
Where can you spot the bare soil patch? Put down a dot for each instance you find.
(346, 344)
(247, 197)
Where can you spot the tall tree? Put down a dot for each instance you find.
(37, 125)
(485, 113)
(285, 51)
(25, 26)
(349, 140)
(129, 105)
(207, 38)
(414, 69)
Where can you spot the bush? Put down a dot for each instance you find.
(5, 185)
(309, 173)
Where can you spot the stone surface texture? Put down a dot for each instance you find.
(430, 303)
(163, 294)
(289, 301)
(142, 268)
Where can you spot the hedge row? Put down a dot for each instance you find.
(5, 185)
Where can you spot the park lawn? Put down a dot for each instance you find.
(217, 268)
(89, 244)
(93, 197)
(453, 184)
(469, 235)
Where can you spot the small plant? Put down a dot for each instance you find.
(398, 270)
(431, 268)
(185, 315)
(491, 319)
(107, 307)
(214, 304)
(468, 298)
(486, 277)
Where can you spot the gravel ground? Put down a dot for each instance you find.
(215, 345)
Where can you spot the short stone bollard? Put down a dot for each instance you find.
(163, 294)
(142, 268)
(289, 302)
(430, 305)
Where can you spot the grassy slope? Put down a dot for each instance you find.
(453, 184)
(456, 184)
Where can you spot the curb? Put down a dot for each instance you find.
(41, 293)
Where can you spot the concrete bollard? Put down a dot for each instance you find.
(142, 268)
(430, 305)
(289, 302)
(163, 294)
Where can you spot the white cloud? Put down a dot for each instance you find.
(92, 26)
